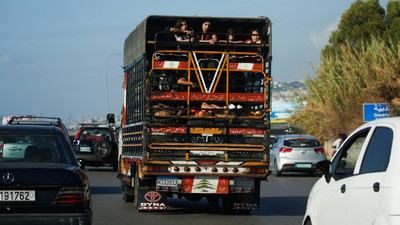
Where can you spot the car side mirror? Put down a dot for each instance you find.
(323, 169)
(81, 163)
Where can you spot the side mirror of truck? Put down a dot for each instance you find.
(323, 169)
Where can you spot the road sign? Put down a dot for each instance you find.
(373, 111)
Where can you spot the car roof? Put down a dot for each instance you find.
(289, 136)
(29, 129)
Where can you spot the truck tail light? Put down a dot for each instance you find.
(71, 195)
(319, 150)
(257, 170)
(156, 168)
(285, 149)
(1, 149)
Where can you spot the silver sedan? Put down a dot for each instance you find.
(296, 153)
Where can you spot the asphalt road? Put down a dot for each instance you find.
(283, 202)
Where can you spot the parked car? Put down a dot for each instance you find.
(39, 120)
(296, 153)
(40, 179)
(96, 145)
(361, 184)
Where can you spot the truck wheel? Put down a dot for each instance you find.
(127, 194)
(227, 205)
(213, 200)
(136, 190)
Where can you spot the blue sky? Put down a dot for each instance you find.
(54, 55)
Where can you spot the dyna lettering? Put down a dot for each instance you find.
(150, 204)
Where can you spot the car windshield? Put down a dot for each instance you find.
(301, 142)
(95, 134)
(43, 148)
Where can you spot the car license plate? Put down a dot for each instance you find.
(17, 196)
(303, 165)
(167, 181)
(85, 149)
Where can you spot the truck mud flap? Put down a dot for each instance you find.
(149, 199)
(246, 201)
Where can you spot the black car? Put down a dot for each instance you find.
(39, 120)
(96, 145)
(41, 181)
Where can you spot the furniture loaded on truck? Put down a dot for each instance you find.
(209, 138)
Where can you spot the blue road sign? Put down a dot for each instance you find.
(373, 111)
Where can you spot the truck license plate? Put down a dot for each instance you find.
(167, 181)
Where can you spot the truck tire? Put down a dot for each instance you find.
(212, 200)
(136, 190)
(127, 194)
(103, 149)
(227, 205)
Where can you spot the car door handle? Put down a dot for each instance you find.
(343, 188)
(376, 186)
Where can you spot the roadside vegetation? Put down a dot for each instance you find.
(360, 65)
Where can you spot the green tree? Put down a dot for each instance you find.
(358, 24)
(393, 20)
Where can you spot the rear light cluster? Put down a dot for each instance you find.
(156, 168)
(285, 149)
(199, 169)
(1, 149)
(319, 150)
(71, 195)
(242, 189)
(260, 170)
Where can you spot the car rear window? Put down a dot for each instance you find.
(95, 134)
(301, 142)
(44, 148)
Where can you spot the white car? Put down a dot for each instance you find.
(361, 184)
(296, 153)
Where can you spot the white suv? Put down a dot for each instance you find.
(361, 185)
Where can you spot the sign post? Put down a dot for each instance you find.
(373, 111)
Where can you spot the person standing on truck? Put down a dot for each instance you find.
(253, 79)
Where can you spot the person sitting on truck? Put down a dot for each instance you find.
(206, 35)
(181, 31)
(231, 37)
(255, 37)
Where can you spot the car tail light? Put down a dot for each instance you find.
(1, 149)
(319, 150)
(71, 195)
(285, 149)
(78, 134)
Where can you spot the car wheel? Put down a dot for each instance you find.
(277, 172)
(308, 222)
